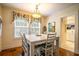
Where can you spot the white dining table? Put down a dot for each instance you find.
(34, 40)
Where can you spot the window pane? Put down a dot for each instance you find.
(35, 27)
(21, 26)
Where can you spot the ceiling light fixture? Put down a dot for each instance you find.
(37, 13)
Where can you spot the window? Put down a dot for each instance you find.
(20, 26)
(35, 27)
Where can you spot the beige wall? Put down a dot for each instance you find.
(44, 22)
(8, 40)
(0, 36)
(71, 11)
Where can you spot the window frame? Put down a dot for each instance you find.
(28, 27)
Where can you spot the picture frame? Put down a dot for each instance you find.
(51, 27)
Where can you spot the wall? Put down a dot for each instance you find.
(43, 22)
(0, 35)
(70, 11)
(8, 40)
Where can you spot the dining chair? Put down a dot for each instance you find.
(49, 46)
(37, 51)
(56, 46)
(25, 46)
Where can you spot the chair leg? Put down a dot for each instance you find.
(45, 52)
(28, 53)
(22, 53)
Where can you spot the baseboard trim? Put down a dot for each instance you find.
(11, 52)
(10, 49)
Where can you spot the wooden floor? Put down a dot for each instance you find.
(18, 51)
(11, 52)
(63, 52)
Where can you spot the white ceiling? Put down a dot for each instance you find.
(46, 9)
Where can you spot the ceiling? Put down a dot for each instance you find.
(46, 9)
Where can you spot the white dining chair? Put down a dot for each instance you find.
(25, 46)
(49, 46)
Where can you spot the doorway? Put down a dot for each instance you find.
(68, 33)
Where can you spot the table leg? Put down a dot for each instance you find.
(32, 48)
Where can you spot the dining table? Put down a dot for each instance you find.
(34, 40)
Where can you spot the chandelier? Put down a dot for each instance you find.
(36, 14)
